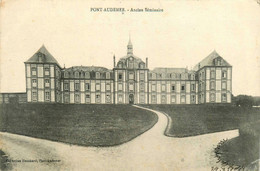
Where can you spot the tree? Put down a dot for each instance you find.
(244, 101)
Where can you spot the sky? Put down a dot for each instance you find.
(180, 36)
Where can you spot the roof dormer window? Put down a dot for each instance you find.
(97, 75)
(76, 74)
(40, 57)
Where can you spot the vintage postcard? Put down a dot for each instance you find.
(129, 85)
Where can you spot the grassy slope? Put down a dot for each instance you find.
(190, 120)
(89, 125)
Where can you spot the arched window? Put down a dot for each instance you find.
(97, 75)
(141, 65)
(182, 76)
(163, 75)
(192, 76)
(153, 75)
(76, 74)
(107, 75)
(131, 64)
(81, 74)
(173, 76)
(66, 74)
(87, 75)
(120, 65)
(71, 74)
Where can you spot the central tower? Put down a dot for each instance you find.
(131, 79)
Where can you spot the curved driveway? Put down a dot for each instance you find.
(149, 151)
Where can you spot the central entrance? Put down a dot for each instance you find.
(131, 99)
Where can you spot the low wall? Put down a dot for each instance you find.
(13, 97)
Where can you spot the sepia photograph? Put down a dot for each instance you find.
(106, 85)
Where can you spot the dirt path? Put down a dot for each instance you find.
(149, 151)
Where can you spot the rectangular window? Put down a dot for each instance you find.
(182, 99)
(131, 87)
(173, 99)
(120, 76)
(46, 71)
(224, 74)
(141, 86)
(66, 98)
(120, 98)
(153, 87)
(47, 96)
(212, 97)
(141, 76)
(173, 88)
(66, 86)
(163, 87)
(212, 85)
(87, 98)
(212, 74)
(153, 99)
(77, 98)
(193, 99)
(120, 87)
(34, 96)
(192, 87)
(33, 71)
(34, 82)
(142, 99)
(87, 86)
(224, 97)
(131, 76)
(182, 87)
(77, 86)
(224, 85)
(108, 99)
(47, 83)
(97, 87)
(97, 98)
(108, 87)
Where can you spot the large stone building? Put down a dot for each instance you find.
(130, 81)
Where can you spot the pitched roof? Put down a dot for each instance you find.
(137, 59)
(87, 69)
(170, 70)
(209, 61)
(48, 58)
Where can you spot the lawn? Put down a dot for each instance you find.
(87, 125)
(242, 150)
(191, 120)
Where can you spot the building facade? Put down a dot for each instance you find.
(129, 82)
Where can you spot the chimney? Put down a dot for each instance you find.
(114, 61)
(146, 63)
